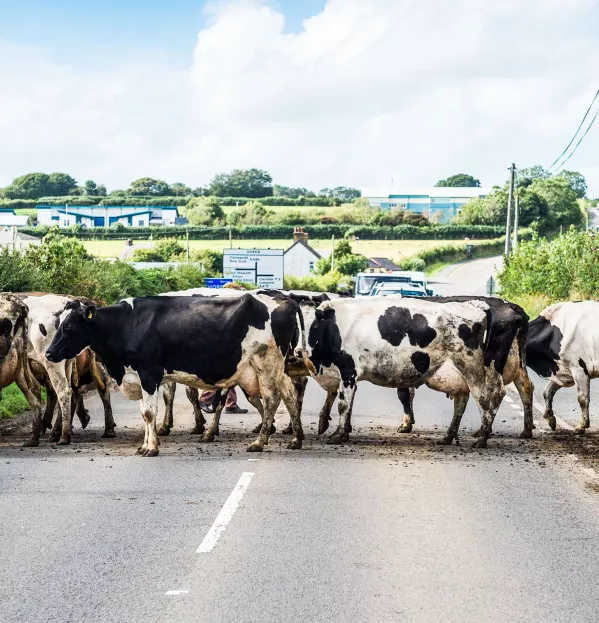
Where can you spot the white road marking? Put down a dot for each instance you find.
(539, 407)
(250, 460)
(176, 593)
(226, 514)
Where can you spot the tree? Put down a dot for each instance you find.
(528, 175)
(341, 192)
(252, 183)
(460, 180)
(90, 187)
(145, 186)
(180, 190)
(577, 182)
(101, 190)
(346, 261)
(36, 185)
(293, 193)
(563, 209)
(205, 211)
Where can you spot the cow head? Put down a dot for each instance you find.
(74, 334)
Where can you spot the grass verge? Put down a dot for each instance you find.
(13, 402)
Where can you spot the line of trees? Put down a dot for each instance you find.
(246, 183)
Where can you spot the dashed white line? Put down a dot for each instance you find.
(170, 593)
(252, 460)
(226, 514)
(541, 409)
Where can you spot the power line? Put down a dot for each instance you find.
(580, 141)
(576, 133)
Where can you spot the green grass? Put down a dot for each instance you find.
(393, 249)
(13, 402)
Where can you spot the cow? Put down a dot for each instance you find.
(506, 350)
(302, 297)
(401, 343)
(208, 343)
(46, 312)
(563, 346)
(14, 362)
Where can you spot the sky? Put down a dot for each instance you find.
(362, 93)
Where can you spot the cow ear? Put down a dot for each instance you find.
(72, 305)
(89, 311)
(329, 312)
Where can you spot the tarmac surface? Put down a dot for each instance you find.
(387, 527)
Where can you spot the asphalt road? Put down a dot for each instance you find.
(388, 527)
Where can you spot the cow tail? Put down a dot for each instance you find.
(304, 349)
(24, 319)
(488, 331)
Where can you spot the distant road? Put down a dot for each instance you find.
(467, 277)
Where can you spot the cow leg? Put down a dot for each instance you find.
(62, 387)
(257, 404)
(406, 397)
(526, 391)
(220, 398)
(168, 395)
(109, 424)
(548, 395)
(149, 409)
(583, 387)
(51, 402)
(488, 396)
(324, 416)
(32, 392)
(194, 398)
(346, 404)
(300, 389)
(292, 393)
(460, 401)
(82, 412)
(271, 398)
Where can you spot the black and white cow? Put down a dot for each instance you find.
(208, 343)
(506, 350)
(563, 346)
(401, 343)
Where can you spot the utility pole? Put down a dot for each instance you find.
(516, 217)
(510, 203)
(187, 245)
(333, 255)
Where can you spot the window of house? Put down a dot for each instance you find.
(311, 266)
(140, 223)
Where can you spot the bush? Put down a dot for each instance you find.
(164, 251)
(204, 211)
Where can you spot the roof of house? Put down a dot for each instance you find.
(315, 253)
(382, 262)
(7, 218)
(437, 191)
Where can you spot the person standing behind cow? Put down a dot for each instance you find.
(207, 397)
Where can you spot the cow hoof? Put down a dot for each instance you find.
(109, 434)
(446, 441)
(54, 437)
(405, 428)
(151, 452)
(30, 443)
(551, 422)
(163, 431)
(481, 443)
(84, 419)
(288, 430)
(197, 430)
(296, 444)
(337, 438)
(323, 426)
(64, 441)
(525, 434)
(254, 448)
(141, 450)
(579, 431)
(208, 437)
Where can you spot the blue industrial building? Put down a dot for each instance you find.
(104, 216)
(439, 205)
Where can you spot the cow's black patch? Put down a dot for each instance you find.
(324, 339)
(284, 324)
(583, 365)
(543, 347)
(421, 361)
(43, 329)
(397, 322)
(5, 327)
(472, 337)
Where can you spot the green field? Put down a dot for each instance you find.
(393, 249)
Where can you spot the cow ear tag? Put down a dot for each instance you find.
(90, 314)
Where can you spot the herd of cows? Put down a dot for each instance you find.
(270, 342)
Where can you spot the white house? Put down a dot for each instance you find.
(104, 216)
(16, 240)
(8, 218)
(300, 259)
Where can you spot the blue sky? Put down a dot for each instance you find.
(100, 32)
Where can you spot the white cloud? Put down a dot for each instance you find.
(410, 89)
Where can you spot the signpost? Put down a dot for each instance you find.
(215, 282)
(263, 267)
